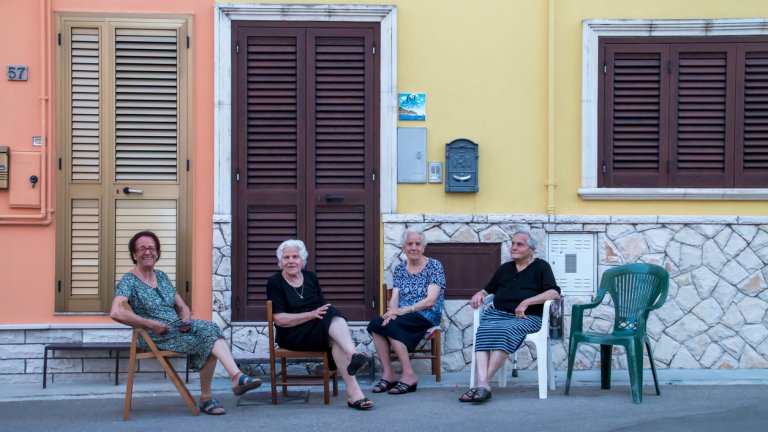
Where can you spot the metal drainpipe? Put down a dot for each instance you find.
(44, 217)
(551, 180)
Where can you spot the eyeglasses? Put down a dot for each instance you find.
(142, 250)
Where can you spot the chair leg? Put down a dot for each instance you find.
(550, 367)
(653, 366)
(335, 383)
(436, 367)
(572, 347)
(541, 367)
(176, 379)
(326, 373)
(129, 383)
(635, 370)
(284, 374)
(605, 366)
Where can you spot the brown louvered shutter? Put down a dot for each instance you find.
(752, 116)
(702, 85)
(341, 82)
(304, 151)
(634, 92)
(269, 161)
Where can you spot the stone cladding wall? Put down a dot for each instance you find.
(714, 318)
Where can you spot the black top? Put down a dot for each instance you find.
(285, 298)
(511, 287)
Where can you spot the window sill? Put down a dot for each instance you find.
(657, 194)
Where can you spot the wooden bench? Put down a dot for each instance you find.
(93, 346)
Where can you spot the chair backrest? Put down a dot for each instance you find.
(636, 289)
(271, 328)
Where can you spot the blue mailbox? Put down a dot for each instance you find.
(461, 166)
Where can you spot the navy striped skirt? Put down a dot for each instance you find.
(503, 331)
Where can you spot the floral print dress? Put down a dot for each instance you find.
(158, 304)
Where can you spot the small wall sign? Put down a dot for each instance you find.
(412, 106)
(17, 73)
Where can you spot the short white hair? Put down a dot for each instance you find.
(292, 243)
(532, 243)
(410, 231)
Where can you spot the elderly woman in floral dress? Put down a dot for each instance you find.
(156, 307)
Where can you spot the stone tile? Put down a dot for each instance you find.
(657, 239)
(688, 236)
(690, 257)
(595, 227)
(26, 351)
(749, 260)
(53, 336)
(646, 227)
(617, 231)
(582, 219)
(688, 327)
(707, 230)
(35, 366)
(493, 234)
(632, 246)
(752, 309)
(723, 237)
(218, 239)
(724, 293)
(734, 273)
(726, 362)
(754, 334)
(753, 285)
(735, 246)
(684, 360)
(436, 235)
(754, 220)
(698, 219)
(760, 240)
(403, 218)
(705, 281)
(697, 345)
(747, 232)
(16, 366)
(712, 256)
(107, 335)
(665, 349)
(11, 337)
(634, 219)
(687, 298)
(709, 311)
(733, 346)
(720, 332)
(711, 355)
(750, 359)
(669, 313)
(19, 378)
(733, 318)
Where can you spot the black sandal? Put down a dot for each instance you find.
(382, 386)
(468, 396)
(402, 388)
(361, 404)
(481, 395)
(357, 361)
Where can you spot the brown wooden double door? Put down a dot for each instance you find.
(305, 153)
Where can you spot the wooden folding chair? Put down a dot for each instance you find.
(283, 379)
(137, 353)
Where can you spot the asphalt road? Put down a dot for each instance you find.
(736, 408)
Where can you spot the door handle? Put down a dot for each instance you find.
(127, 190)
(333, 198)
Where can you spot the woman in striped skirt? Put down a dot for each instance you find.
(520, 288)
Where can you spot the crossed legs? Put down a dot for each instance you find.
(342, 349)
(221, 352)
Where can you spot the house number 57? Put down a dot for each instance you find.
(17, 73)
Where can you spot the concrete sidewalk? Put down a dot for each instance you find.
(732, 401)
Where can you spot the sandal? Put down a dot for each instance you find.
(468, 396)
(382, 386)
(481, 395)
(358, 360)
(210, 406)
(402, 388)
(361, 404)
(245, 384)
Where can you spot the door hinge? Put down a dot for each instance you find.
(188, 41)
(237, 176)
(605, 68)
(59, 164)
(187, 165)
(373, 176)
(237, 47)
(58, 286)
(59, 39)
(373, 49)
(186, 286)
(603, 167)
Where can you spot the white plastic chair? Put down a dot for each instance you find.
(546, 368)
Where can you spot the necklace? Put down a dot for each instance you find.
(300, 294)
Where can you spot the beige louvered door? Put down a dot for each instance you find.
(123, 151)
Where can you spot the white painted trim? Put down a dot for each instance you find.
(12, 327)
(225, 13)
(594, 29)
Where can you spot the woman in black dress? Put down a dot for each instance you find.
(305, 322)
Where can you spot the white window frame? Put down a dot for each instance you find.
(592, 30)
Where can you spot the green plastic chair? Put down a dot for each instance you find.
(636, 289)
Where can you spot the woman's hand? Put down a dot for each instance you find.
(158, 328)
(478, 299)
(320, 312)
(393, 313)
(520, 309)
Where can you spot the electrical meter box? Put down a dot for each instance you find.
(4, 163)
(461, 166)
